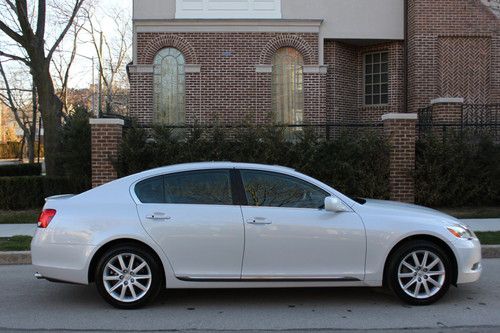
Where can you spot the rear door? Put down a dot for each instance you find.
(191, 215)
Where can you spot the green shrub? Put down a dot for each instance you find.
(458, 169)
(15, 170)
(30, 192)
(354, 164)
(75, 157)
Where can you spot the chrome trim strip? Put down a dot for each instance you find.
(268, 279)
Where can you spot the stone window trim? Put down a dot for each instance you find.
(168, 41)
(376, 98)
(284, 41)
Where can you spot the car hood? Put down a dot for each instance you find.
(409, 210)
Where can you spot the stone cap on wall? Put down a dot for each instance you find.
(400, 116)
(447, 100)
(106, 121)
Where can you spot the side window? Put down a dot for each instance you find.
(276, 190)
(212, 187)
(150, 190)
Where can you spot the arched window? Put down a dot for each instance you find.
(169, 87)
(287, 85)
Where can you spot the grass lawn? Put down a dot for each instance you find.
(19, 217)
(15, 243)
(489, 238)
(473, 212)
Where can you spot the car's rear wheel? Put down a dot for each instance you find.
(419, 272)
(128, 277)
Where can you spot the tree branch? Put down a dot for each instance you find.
(40, 25)
(11, 33)
(78, 4)
(14, 57)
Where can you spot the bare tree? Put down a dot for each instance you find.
(112, 45)
(22, 103)
(25, 26)
(62, 64)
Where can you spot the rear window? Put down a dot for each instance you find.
(210, 187)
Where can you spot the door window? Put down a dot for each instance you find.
(212, 187)
(267, 189)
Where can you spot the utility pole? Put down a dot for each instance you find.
(31, 148)
(100, 76)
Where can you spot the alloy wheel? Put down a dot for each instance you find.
(127, 277)
(421, 274)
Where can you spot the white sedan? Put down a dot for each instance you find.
(235, 225)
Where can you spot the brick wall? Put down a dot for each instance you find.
(227, 88)
(106, 138)
(345, 90)
(453, 48)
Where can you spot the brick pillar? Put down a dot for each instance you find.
(106, 140)
(447, 111)
(400, 130)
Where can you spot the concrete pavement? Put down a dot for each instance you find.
(9, 230)
(483, 224)
(40, 305)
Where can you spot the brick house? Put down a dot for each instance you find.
(314, 61)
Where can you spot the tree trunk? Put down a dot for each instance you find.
(51, 110)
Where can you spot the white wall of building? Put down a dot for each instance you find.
(343, 19)
(351, 19)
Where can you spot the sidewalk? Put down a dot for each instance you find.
(9, 230)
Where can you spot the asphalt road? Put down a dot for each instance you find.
(28, 304)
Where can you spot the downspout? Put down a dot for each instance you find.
(405, 62)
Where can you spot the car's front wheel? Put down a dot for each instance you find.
(419, 272)
(128, 277)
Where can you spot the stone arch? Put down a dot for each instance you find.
(164, 41)
(279, 42)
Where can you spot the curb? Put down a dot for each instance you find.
(491, 251)
(24, 257)
(15, 258)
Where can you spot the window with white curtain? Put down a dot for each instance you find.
(169, 87)
(287, 87)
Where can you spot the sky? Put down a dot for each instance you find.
(82, 70)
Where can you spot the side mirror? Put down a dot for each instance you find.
(333, 204)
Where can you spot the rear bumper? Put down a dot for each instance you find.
(469, 261)
(61, 262)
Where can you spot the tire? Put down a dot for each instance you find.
(124, 288)
(415, 281)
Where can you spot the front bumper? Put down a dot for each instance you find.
(468, 260)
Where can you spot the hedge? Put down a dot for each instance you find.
(353, 163)
(13, 170)
(30, 192)
(459, 169)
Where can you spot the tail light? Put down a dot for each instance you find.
(45, 217)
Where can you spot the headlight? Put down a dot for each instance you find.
(461, 231)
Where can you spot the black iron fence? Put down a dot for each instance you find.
(476, 119)
(328, 130)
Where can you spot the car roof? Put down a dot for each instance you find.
(218, 165)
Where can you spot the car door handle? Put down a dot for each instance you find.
(158, 216)
(259, 220)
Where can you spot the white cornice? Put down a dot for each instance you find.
(228, 25)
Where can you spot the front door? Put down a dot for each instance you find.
(192, 217)
(289, 236)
